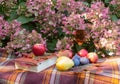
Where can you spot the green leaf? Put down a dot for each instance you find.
(107, 1)
(54, 1)
(23, 4)
(3, 9)
(19, 1)
(13, 15)
(61, 34)
(87, 4)
(5, 41)
(76, 47)
(114, 18)
(24, 19)
(29, 26)
(51, 45)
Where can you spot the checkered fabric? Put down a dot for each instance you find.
(106, 72)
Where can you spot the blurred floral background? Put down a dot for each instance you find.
(61, 24)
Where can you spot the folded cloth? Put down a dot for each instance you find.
(106, 72)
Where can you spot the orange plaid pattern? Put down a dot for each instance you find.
(107, 72)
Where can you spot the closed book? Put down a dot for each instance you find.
(37, 64)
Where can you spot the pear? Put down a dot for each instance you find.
(61, 58)
(64, 63)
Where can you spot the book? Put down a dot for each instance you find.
(37, 64)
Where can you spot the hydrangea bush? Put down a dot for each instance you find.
(55, 23)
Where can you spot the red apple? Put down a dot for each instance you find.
(93, 57)
(38, 49)
(83, 53)
(67, 53)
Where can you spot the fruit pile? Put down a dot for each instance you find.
(83, 57)
(66, 60)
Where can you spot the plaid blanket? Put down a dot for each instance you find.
(106, 72)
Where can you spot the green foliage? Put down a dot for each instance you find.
(24, 19)
(20, 1)
(89, 45)
(4, 41)
(29, 26)
(51, 45)
(13, 15)
(114, 17)
(3, 9)
(115, 9)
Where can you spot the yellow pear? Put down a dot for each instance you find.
(61, 58)
(64, 63)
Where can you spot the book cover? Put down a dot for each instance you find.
(36, 64)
